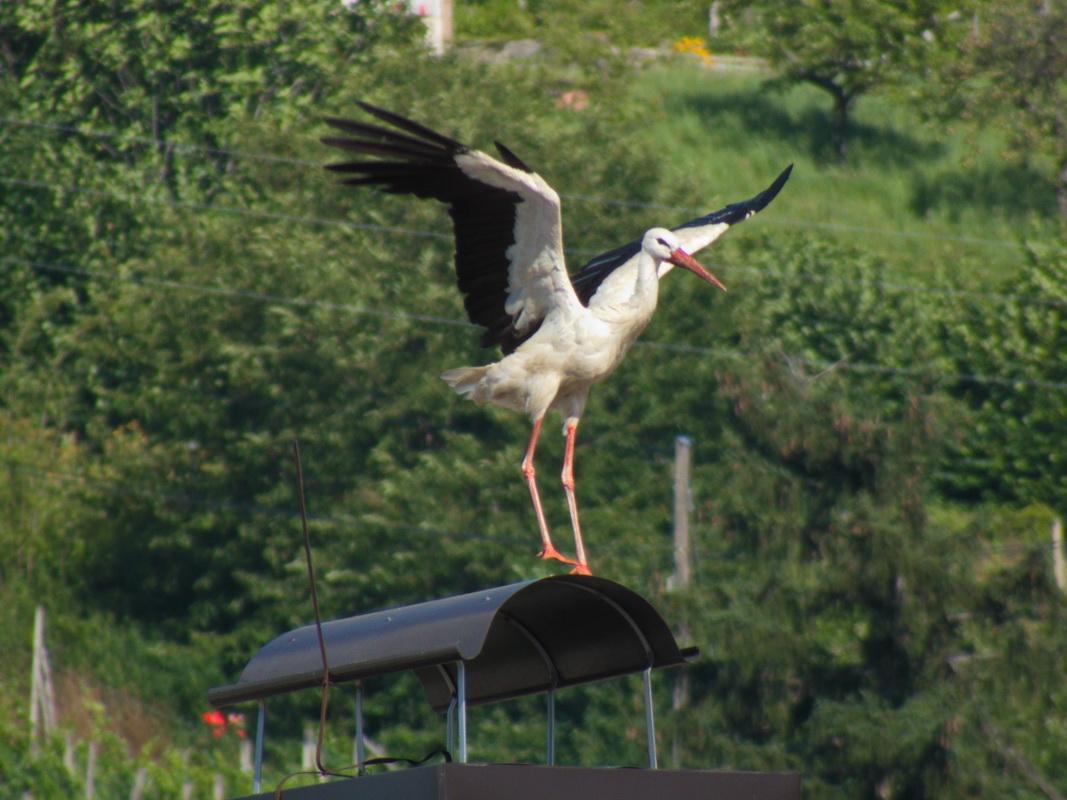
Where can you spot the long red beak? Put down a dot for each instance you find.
(682, 259)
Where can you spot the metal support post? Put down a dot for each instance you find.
(360, 745)
(550, 755)
(261, 727)
(650, 722)
(450, 726)
(461, 692)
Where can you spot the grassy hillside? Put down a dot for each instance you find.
(924, 198)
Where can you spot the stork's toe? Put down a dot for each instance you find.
(550, 552)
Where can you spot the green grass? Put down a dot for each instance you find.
(924, 198)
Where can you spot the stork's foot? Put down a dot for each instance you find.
(551, 552)
(580, 569)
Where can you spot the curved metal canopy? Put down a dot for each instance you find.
(514, 640)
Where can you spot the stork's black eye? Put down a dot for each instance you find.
(664, 243)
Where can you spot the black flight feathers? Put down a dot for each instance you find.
(416, 160)
(409, 158)
(589, 278)
(511, 159)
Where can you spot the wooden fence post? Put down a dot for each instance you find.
(683, 561)
(307, 750)
(68, 753)
(682, 501)
(90, 771)
(42, 700)
(1059, 558)
(139, 782)
(244, 755)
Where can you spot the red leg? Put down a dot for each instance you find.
(528, 472)
(582, 567)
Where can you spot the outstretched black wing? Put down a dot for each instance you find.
(692, 236)
(509, 263)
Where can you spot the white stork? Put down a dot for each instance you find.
(559, 334)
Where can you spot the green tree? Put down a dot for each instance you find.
(40, 540)
(847, 48)
(1008, 68)
(848, 617)
(107, 103)
(1012, 447)
(163, 72)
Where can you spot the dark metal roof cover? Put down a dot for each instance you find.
(518, 639)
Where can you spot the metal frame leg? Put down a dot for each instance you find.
(550, 747)
(361, 755)
(450, 722)
(461, 693)
(650, 722)
(261, 727)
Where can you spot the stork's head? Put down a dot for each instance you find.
(665, 248)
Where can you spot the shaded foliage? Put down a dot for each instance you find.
(1011, 449)
(810, 132)
(1013, 190)
(1008, 69)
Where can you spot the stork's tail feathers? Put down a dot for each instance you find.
(465, 379)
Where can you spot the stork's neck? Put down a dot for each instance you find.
(647, 283)
(628, 295)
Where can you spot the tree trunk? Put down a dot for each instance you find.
(842, 128)
(843, 100)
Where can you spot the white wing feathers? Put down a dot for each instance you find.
(537, 274)
(693, 240)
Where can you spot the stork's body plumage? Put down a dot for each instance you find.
(559, 334)
(574, 347)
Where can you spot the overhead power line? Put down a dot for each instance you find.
(822, 365)
(113, 487)
(246, 212)
(375, 522)
(216, 290)
(807, 224)
(205, 207)
(192, 148)
(161, 143)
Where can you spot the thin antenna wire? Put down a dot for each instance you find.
(318, 615)
(319, 766)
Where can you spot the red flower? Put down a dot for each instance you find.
(219, 722)
(215, 719)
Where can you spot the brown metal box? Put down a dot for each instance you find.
(530, 782)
